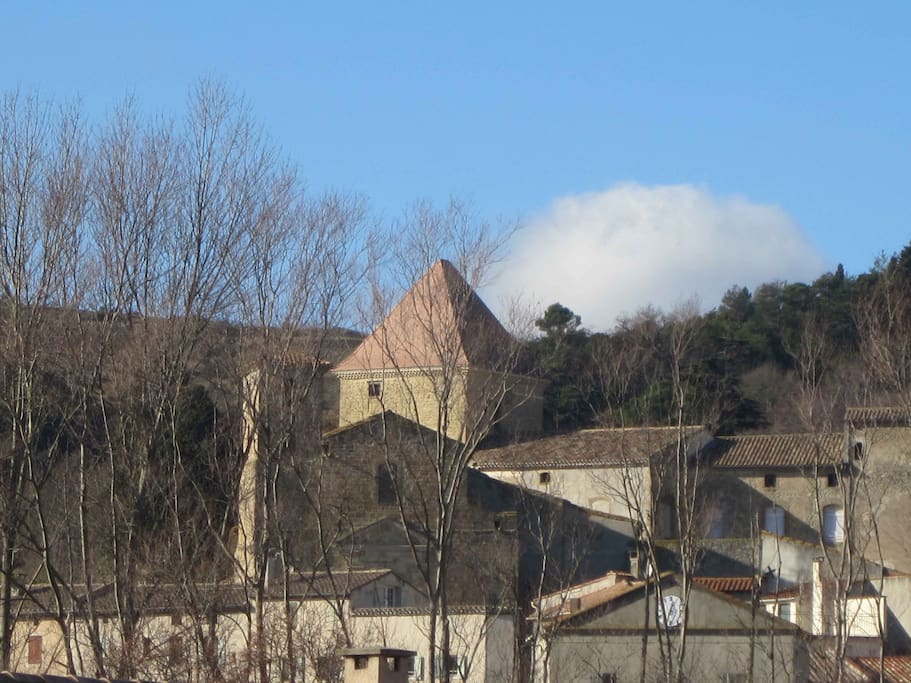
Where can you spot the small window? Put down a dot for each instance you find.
(175, 620)
(35, 646)
(770, 481)
(544, 478)
(859, 450)
(360, 662)
(374, 389)
(832, 480)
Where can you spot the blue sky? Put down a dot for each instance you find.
(738, 124)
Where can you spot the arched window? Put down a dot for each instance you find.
(774, 520)
(833, 524)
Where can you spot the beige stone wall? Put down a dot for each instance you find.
(605, 489)
(482, 642)
(473, 400)
(412, 394)
(742, 497)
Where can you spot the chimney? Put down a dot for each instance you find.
(377, 665)
(634, 564)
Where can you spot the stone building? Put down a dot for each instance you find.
(441, 359)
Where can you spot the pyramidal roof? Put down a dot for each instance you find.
(440, 322)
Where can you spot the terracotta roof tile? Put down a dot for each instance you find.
(440, 321)
(774, 450)
(896, 669)
(617, 447)
(726, 584)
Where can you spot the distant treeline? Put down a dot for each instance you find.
(784, 357)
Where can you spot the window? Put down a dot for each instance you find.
(360, 662)
(385, 484)
(34, 649)
(859, 450)
(770, 481)
(375, 389)
(392, 596)
(774, 520)
(544, 478)
(416, 668)
(606, 678)
(786, 611)
(832, 480)
(175, 620)
(833, 524)
(175, 650)
(454, 665)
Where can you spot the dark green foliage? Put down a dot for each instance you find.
(622, 378)
(560, 355)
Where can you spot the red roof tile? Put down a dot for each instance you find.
(726, 584)
(896, 669)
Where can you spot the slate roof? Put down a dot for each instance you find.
(878, 416)
(440, 321)
(613, 447)
(726, 584)
(774, 451)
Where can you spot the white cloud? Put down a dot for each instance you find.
(608, 253)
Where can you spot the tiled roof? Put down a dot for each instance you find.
(167, 598)
(439, 321)
(774, 450)
(824, 669)
(878, 416)
(896, 669)
(341, 583)
(617, 447)
(726, 584)
(573, 608)
(13, 677)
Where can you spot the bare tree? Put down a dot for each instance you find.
(443, 361)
